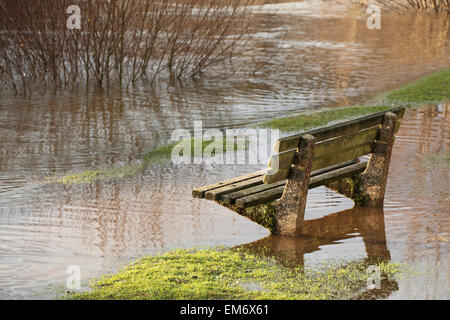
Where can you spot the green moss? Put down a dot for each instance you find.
(434, 88)
(350, 187)
(231, 274)
(320, 118)
(263, 214)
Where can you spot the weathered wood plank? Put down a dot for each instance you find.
(271, 176)
(334, 167)
(231, 197)
(341, 156)
(216, 194)
(318, 180)
(258, 198)
(200, 192)
(339, 129)
(284, 159)
(328, 177)
(363, 137)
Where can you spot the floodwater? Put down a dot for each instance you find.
(307, 54)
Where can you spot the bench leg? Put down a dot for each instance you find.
(367, 189)
(373, 180)
(290, 210)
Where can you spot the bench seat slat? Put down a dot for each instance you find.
(339, 129)
(322, 162)
(231, 197)
(318, 180)
(200, 192)
(216, 194)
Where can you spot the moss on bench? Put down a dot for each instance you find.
(262, 214)
(351, 188)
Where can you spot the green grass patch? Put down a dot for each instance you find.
(310, 120)
(231, 274)
(161, 153)
(433, 88)
(89, 176)
(165, 151)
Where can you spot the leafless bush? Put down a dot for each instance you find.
(119, 40)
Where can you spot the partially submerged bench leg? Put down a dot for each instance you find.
(368, 188)
(290, 210)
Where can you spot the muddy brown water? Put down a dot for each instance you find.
(309, 54)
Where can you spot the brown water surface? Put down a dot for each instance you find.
(309, 54)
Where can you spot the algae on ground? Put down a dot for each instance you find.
(232, 274)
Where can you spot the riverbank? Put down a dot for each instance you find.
(431, 89)
(234, 274)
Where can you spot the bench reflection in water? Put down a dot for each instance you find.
(367, 223)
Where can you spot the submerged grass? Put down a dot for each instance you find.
(439, 160)
(231, 274)
(159, 154)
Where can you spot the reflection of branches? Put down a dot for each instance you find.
(119, 39)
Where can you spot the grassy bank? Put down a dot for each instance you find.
(231, 274)
(310, 120)
(434, 88)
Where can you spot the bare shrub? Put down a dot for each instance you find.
(119, 40)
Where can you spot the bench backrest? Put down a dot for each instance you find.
(333, 144)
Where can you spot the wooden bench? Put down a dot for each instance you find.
(276, 197)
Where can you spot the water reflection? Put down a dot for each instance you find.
(356, 222)
(320, 53)
(365, 223)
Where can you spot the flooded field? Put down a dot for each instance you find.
(309, 54)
